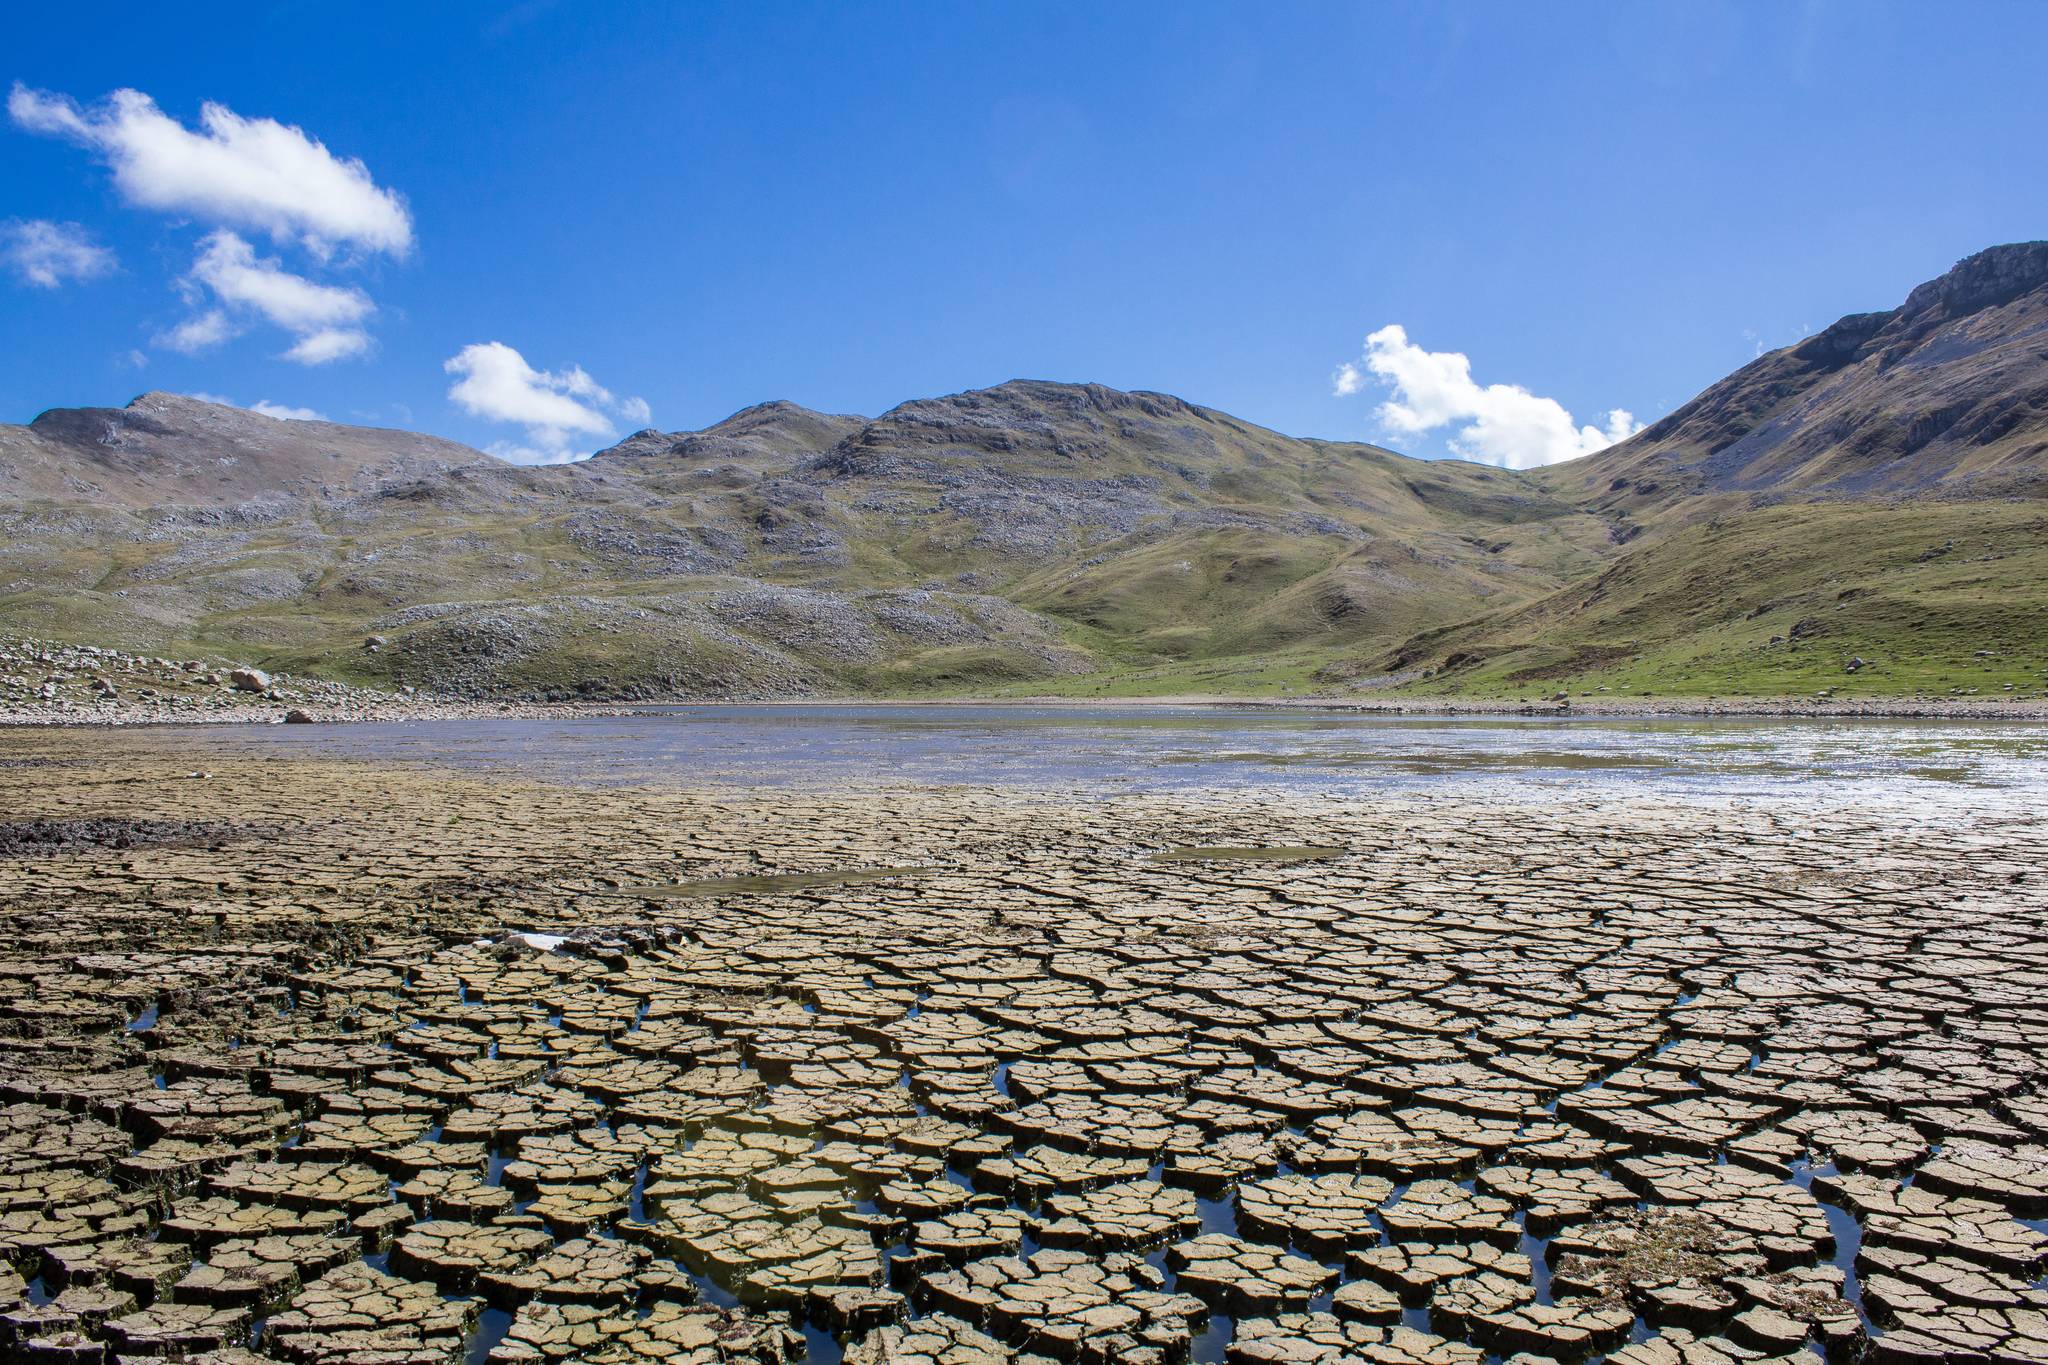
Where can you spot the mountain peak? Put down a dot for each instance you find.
(1942, 391)
(1034, 403)
(783, 425)
(164, 398)
(171, 449)
(777, 427)
(1994, 276)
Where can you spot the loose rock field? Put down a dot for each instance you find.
(332, 1063)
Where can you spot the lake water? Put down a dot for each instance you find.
(1201, 748)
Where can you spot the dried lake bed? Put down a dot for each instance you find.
(729, 1034)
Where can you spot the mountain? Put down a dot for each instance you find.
(764, 430)
(1865, 510)
(165, 448)
(1025, 534)
(1947, 393)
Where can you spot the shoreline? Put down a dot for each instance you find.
(419, 710)
(45, 685)
(1677, 708)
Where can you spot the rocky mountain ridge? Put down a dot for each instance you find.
(1946, 393)
(172, 449)
(1032, 531)
(1036, 535)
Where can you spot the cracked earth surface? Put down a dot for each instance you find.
(399, 1065)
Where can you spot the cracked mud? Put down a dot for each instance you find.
(441, 1068)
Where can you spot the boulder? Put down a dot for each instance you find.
(249, 680)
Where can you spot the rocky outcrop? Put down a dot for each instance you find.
(170, 449)
(1948, 392)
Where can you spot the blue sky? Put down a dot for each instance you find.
(595, 212)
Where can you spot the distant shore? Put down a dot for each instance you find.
(122, 715)
(1894, 708)
(416, 710)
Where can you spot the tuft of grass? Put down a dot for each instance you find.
(1648, 1247)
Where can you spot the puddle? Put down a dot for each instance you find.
(491, 1327)
(1212, 1343)
(1537, 1249)
(1847, 1231)
(822, 1347)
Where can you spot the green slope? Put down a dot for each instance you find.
(1877, 493)
(1014, 536)
(1776, 601)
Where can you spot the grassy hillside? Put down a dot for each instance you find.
(1865, 514)
(1780, 601)
(1012, 537)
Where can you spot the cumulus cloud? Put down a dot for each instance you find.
(562, 411)
(285, 413)
(329, 343)
(231, 268)
(199, 333)
(264, 407)
(46, 254)
(236, 175)
(326, 319)
(247, 172)
(1501, 424)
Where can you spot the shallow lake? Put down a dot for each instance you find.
(1169, 748)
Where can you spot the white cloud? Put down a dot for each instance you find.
(325, 318)
(46, 254)
(556, 408)
(238, 173)
(284, 413)
(256, 173)
(1501, 424)
(512, 452)
(231, 268)
(329, 343)
(201, 332)
(265, 408)
(497, 383)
